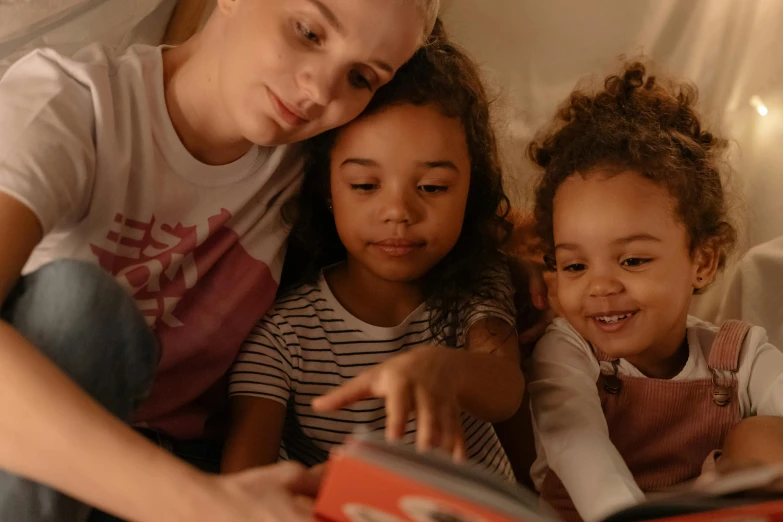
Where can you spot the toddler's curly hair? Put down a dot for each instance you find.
(647, 125)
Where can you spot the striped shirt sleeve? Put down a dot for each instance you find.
(495, 282)
(265, 365)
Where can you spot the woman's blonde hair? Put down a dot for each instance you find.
(429, 12)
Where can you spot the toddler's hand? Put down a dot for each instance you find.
(421, 381)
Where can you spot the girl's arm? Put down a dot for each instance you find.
(261, 383)
(488, 373)
(570, 424)
(439, 383)
(489, 376)
(255, 433)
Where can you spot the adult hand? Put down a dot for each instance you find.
(279, 493)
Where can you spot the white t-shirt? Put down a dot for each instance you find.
(572, 438)
(308, 344)
(87, 144)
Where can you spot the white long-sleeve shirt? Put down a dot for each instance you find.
(572, 437)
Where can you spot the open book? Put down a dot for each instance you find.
(368, 480)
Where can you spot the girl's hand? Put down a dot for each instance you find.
(420, 381)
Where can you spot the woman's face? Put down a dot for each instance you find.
(291, 69)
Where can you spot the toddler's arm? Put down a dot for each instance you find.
(570, 425)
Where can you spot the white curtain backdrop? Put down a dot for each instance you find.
(68, 25)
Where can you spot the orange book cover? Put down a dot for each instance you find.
(369, 481)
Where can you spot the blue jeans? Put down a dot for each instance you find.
(81, 319)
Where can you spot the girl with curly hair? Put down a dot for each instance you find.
(629, 393)
(404, 302)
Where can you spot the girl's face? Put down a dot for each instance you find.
(625, 273)
(291, 69)
(399, 186)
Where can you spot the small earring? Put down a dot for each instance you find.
(700, 279)
(331, 209)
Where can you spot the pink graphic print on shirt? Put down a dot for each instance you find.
(202, 292)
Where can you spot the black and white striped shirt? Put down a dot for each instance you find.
(308, 344)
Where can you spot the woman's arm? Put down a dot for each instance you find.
(51, 431)
(54, 433)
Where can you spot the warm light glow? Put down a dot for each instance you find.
(759, 105)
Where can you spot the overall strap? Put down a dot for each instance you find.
(724, 357)
(726, 347)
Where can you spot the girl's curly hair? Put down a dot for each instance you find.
(442, 75)
(640, 123)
